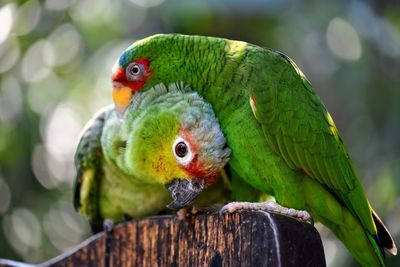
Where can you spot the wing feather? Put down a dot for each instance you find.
(283, 150)
(88, 160)
(298, 127)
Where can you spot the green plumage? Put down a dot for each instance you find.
(283, 140)
(123, 163)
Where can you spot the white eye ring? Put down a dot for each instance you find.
(135, 71)
(182, 158)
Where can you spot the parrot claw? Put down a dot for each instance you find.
(268, 206)
(194, 210)
(186, 212)
(108, 225)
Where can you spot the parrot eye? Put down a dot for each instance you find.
(181, 149)
(182, 152)
(135, 71)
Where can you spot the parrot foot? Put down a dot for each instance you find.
(193, 211)
(268, 206)
(108, 226)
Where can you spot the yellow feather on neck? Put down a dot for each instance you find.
(151, 155)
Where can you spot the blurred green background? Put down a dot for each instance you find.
(55, 63)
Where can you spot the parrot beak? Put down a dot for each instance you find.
(121, 94)
(122, 98)
(184, 192)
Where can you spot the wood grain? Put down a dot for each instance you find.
(240, 239)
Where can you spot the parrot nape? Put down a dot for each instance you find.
(169, 138)
(283, 140)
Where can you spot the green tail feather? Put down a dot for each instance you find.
(377, 248)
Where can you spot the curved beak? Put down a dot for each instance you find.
(121, 94)
(184, 192)
(122, 97)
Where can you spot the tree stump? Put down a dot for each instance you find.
(248, 238)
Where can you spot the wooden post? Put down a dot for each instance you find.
(245, 238)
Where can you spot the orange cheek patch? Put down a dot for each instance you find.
(122, 98)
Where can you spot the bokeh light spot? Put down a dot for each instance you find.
(9, 54)
(6, 21)
(66, 43)
(343, 40)
(34, 67)
(27, 17)
(58, 5)
(147, 3)
(40, 168)
(43, 94)
(24, 232)
(88, 10)
(62, 129)
(63, 226)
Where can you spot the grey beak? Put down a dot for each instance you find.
(184, 192)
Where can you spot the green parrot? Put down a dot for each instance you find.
(124, 163)
(283, 140)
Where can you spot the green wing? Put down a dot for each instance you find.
(298, 127)
(88, 160)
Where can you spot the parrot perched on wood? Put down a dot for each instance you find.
(283, 140)
(169, 137)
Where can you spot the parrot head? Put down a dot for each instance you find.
(168, 58)
(185, 160)
(176, 141)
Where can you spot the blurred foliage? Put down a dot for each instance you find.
(55, 63)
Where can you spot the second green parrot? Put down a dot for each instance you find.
(168, 143)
